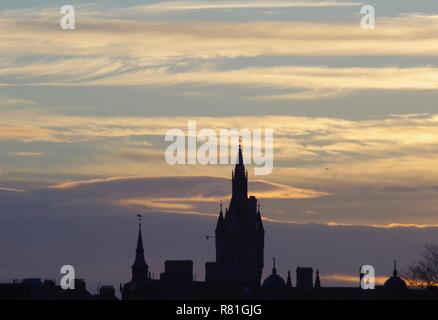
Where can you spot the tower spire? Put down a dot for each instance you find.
(239, 176)
(394, 273)
(317, 280)
(240, 159)
(139, 267)
(139, 238)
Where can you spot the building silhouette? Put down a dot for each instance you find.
(236, 273)
(239, 237)
(395, 283)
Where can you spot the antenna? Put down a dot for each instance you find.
(208, 237)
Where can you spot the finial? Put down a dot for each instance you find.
(274, 270)
(240, 141)
(395, 268)
(221, 205)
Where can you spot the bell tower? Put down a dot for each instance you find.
(239, 236)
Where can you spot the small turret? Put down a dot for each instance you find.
(317, 280)
(289, 280)
(220, 221)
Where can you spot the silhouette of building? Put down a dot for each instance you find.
(38, 289)
(239, 237)
(141, 285)
(274, 280)
(395, 283)
(139, 267)
(289, 280)
(178, 272)
(304, 278)
(236, 273)
(317, 280)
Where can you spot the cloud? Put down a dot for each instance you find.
(4, 101)
(132, 190)
(10, 190)
(166, 6)
(99, 54)
(349, 279)
(26, 154)
(396, 151)
(26, 134)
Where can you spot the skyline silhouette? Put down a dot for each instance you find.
(84, 114)
(236, 273)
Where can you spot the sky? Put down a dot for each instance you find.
(83, 114)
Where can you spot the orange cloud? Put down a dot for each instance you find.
(350, 279)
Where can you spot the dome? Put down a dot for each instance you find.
(395, 282)
(274, 280)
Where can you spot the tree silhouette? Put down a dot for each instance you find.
(424, 273)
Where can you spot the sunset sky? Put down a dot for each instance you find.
(83, 115)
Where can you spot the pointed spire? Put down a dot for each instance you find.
(317, 280)
(289, 280)
(259, 218)
(239, 176)
(139, 268)
(394, 273)
(240, 159)
(274, 270)
(220, 220)
(140, 238)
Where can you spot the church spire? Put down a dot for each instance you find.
(289, 280)
(240, 159)
(139, 248)
(240, 176)
(139, 268)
